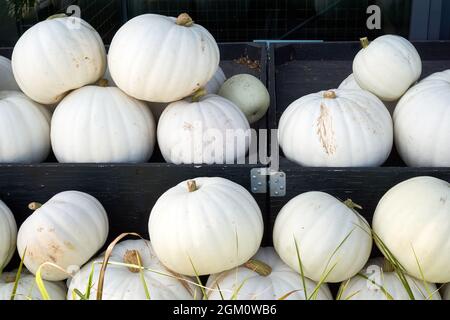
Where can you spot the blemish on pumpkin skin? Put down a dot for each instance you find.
(188, 126)
(325, 130)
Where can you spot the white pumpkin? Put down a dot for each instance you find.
(413, 221)
(124, 283)
(24, 129)
(208, 130)
(333, 240)
(162, 59)
(337, 128)
(213, 85)
(67, 231)
(8, 235)
(264, 277)
(387, 66)
(350, 84)
(56, 56)
(249, 94)
(97, 124)
(7, 81)
(446, 292)
(421, 122)
(381, 282)
(210, 224)
(27, 288)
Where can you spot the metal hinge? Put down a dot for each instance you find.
(260, 177)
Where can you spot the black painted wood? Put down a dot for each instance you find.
(128, 192)
(296, 70)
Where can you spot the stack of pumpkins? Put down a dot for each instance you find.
(62, 63)
(212, 226)
(352, 127)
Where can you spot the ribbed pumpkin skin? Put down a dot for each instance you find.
(152, 58)
(122, 284)
(24, 129)
(27, 288)
(188, 132)
(421, 122)
(387, 67)
(283, 282)
(320, 223)
(7, 81)
(360, 288)
(352, 130)
(102, 125)
(218, 227)
(413, 221)
(67, 231)
(51, 58)
(8, 235)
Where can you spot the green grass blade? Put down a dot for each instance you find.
(18, 275)
(300, 264)
(197, 277)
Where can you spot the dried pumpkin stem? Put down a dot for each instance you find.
(259, 267)
(34, 206)
(192, 186)
(184, 20)
(364, 42)
(102, 83)
(387, 266)
(329, 95)
(133, 257)
(200, 93)
(349, 203)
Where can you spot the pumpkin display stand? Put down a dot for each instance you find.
(129, 191)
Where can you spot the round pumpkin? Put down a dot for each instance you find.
(333, 241)
(208, 130)
(162, 59)
(56, 56)
(381, 282)
(413, 222)
(8, 235)
(205, 226)
(126, 283)
(97, 124)
(27, 288)
(337, 128)
(7, 81)
(387, 66)
(350, 84)
(67, 231)
(264, 277)
(421, 122)
(24, 129)
(249, 94)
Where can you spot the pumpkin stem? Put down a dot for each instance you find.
(192, 186)
(34, 206)
(58, 15)
(364, 42)
(103, 83)
(133, 257)
(185, 20)
(10, 278)
(349, 203)
(329, 95)
(387, 266)
(259, 267)
(200, 93)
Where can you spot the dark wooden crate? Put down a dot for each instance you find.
(128, 192)
(229, 53)
(299, 69)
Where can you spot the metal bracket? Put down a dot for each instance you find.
(258, 177)
(261, 176)
(277, 182)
